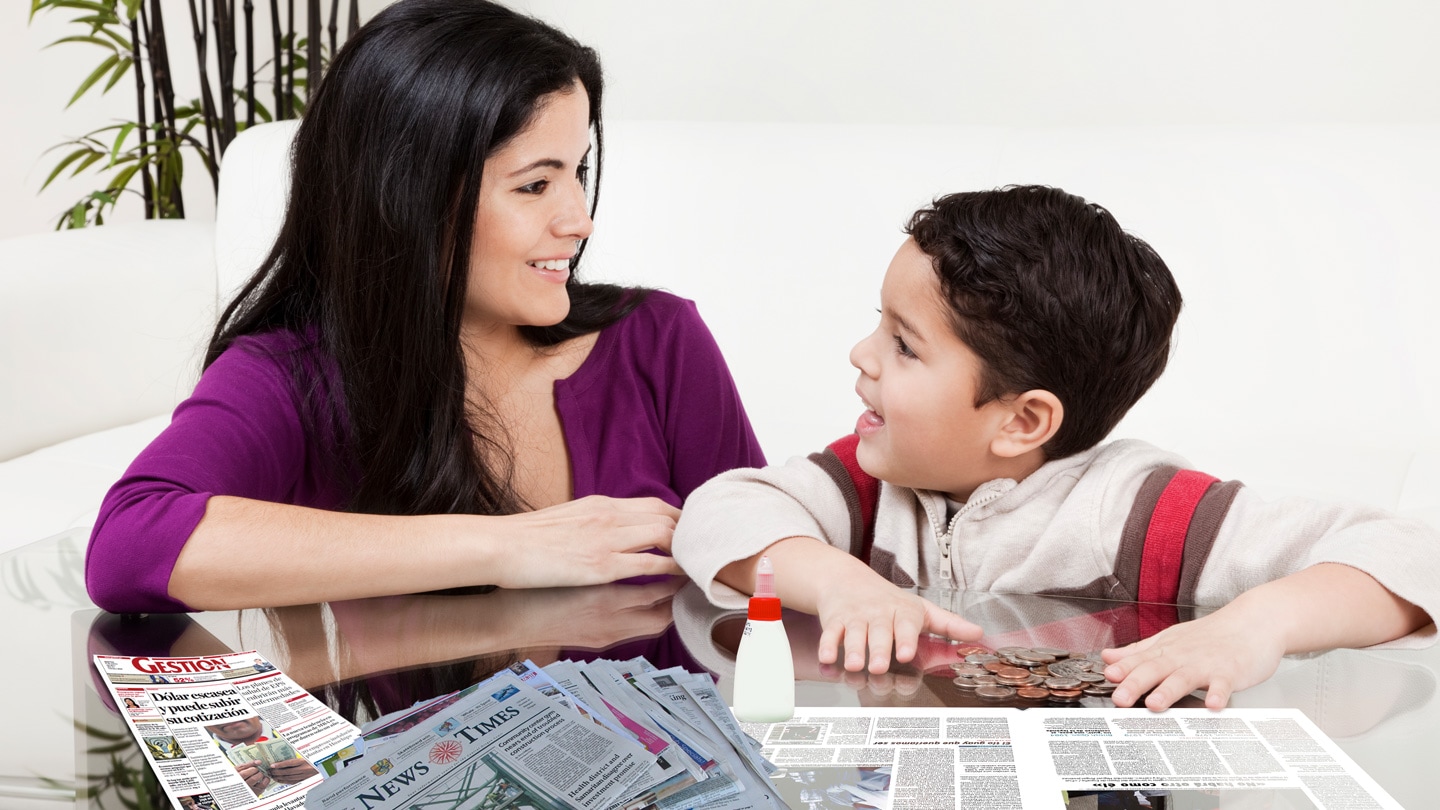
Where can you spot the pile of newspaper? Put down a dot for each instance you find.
(583, 735)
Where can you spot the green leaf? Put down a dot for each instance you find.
(60, 167)
(132, 7)
(122, 42)
(120, 139)
(87, 162)
(77, 215)
(82, 5)
(92, 40)
(120, 70)
(94, 77)
(122, 178)
(97, 20)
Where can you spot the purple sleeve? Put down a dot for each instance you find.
(238, 434)
(705, 422)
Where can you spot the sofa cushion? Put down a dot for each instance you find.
(100, 327)
(60, 487)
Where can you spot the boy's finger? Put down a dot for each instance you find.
(829, 645)
(951, 625)
(1170, 691)
(1133, 686)
(855, 645)
(907, 638)
(881, 636)
(1217, 695)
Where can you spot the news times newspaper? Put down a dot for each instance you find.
(225, 732)
(579, 735)
(1012, 759)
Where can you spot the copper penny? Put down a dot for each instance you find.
(996, 666)
(1033, 692)
(1065, 694)
(971, 649)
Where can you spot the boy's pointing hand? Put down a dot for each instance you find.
(863, 612)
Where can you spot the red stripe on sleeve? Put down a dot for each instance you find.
(1165, 538)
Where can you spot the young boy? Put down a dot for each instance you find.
(1017, 327)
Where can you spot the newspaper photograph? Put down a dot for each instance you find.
(228, 732)
(1071, 758)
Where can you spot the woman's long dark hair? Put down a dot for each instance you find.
(371, 265)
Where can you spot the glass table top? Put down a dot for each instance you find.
(68, 746)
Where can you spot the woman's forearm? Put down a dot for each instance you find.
(247, 553)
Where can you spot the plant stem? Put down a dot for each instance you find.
(142, 121)
(354, 18)
(279, 66)
(313, 19)
(225, 59)
(249, 63)
(290, 62)
(207, 100)
(165, 92)
(334, 29)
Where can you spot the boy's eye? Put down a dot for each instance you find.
(902, 348)
(536, 187)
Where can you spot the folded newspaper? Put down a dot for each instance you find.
(580, 735)
(225, 731)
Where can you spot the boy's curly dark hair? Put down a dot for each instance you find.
(1052, 294)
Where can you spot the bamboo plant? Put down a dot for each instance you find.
(149, 151)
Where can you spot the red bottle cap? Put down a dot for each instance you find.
(764, 609)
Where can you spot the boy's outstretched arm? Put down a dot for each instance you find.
(856, 606)
(1322, 607)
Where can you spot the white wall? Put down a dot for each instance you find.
(936, 61)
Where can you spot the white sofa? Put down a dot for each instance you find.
(1305, 255)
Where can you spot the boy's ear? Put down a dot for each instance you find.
(1032, 419)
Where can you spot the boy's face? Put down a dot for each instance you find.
(918, 380)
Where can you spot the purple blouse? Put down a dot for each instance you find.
(653, 411)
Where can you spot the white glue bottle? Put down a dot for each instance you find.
(764, 671)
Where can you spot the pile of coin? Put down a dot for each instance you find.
(1031, 673)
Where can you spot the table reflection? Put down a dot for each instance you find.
(369, 657)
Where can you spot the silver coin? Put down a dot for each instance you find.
(989, 692)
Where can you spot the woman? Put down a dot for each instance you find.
(414, 390)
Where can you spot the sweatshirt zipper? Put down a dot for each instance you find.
(945, 538)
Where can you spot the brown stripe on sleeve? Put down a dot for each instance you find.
(1200, 536)
(1132, 537)
(883, 563)
(833, 467)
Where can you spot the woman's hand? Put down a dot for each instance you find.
(589, 541)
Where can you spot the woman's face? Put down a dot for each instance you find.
(531, 215)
